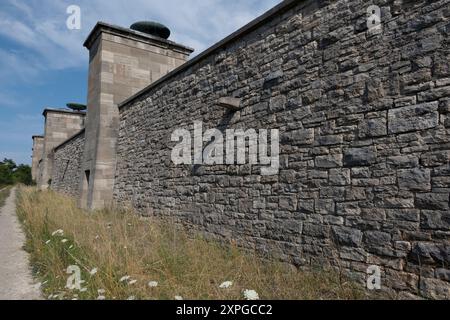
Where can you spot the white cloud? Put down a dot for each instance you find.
(22, 7)
(40, 26)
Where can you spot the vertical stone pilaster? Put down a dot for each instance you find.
(38, 146)
(122, 62)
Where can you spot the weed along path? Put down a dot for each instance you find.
(16, 282)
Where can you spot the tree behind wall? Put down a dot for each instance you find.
(6, 172)
(10, 173)
(23, 175)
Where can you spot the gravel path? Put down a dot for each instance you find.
(16, 281)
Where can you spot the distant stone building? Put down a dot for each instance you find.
(60, 125)
(360, 95)
(38, 149)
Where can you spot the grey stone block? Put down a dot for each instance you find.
(359, 157)
(413, 118)
(432, 201)
(373, 128)
(347, 236)
(424, 252)
(414, 179)
(299, 137)
(435, 220)
(329, 161)
(434, 289)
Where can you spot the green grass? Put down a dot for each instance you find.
(119, 243)
(4, 193)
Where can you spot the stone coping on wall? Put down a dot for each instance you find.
(81, 132)
(47, 110)
(275, 11)
(134, 35)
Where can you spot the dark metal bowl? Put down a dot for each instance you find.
(153, 28)
(77, 106)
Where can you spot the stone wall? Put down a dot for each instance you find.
(365, 144)
(67, 168)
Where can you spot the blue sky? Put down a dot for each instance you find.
(43, 64)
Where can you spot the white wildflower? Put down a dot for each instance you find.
(101, 298)
(124, 278)
(64, 240)
(71, 246)
(58, 232)
(251, 295)
(83, 289)
(97, 237)
(93, 271)
(153, 284)
(178, 298)
(226, 285)
(131, 298)
(48, 241)
(131, 282)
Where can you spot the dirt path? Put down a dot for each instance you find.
(16, 282)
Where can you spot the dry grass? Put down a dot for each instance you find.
(123, 244)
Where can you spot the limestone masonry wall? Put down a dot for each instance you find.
(60, 125)
(67, 166)
(364, 119)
